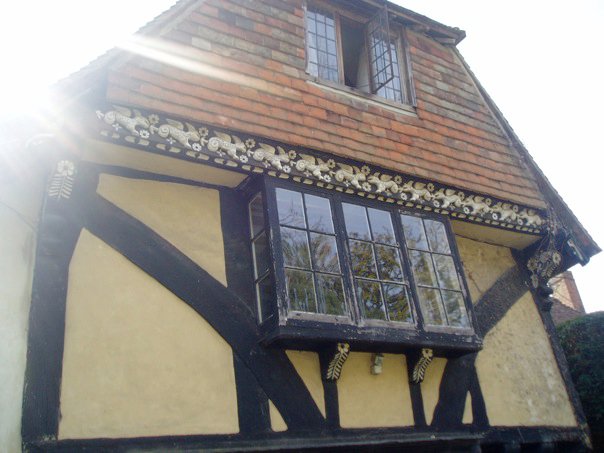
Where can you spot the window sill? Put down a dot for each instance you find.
(358, 95)
(312, 335)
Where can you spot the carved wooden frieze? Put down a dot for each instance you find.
(196, 142)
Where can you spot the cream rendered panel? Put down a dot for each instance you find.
(122, 156)
(483, 264)
(468, 415)
(371, 401)
(277, 422)
(491, 235)
(431, 386)
(186, 216)
(518, 372)
(308, 367)
(138, 361)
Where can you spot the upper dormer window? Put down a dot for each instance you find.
(361, 53)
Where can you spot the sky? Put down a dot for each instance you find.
(541, 61)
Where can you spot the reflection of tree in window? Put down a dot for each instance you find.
(375, 263)
(310, 253)
(438, 286)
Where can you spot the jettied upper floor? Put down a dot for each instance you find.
(305, 94)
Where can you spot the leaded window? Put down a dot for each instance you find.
(329, 258)
(437, 281)
(313, 277)
(321, 45)
(365, 55)
(380, 285)
(263, 280)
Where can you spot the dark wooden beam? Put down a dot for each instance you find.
(460, 376)
(59, 229)
(220, 307)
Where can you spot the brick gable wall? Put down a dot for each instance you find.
(244, 69)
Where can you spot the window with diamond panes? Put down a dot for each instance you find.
(321, 45)
(263, 280)
(380, 285)
(436, 279)
(311, 260)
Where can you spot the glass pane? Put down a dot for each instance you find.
(300, 291)
(330, 293)
(445, 269)
(318, 213)
(397, 302)
(414, 232)
(363, 262)
(289, 205)
(324, 253)
(456, 309)
(422, 268)
(295, 248)
(310, 17)
(265, 291)
(437, 236)
(370, 300)
(257, 215)
(331, 49)
(389, 263)
(392, 89)
(356, 221)
(429, 300)
(261, 256)
(381, 226)
(380, 49)
(321, 45)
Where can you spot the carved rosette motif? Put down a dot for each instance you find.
(194, 142)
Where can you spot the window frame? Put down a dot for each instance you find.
(303, 329)
(398, 36)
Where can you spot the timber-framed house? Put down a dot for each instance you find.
(290, 224)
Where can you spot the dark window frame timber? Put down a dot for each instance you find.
(315, 330)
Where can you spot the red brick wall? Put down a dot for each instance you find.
(261, 87)
(566, 291)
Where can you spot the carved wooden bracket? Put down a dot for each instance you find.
(334, 370)
(419, 370)
(543, 265)
(62, 180)
(545, 262)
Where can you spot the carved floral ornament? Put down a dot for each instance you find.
(199, 143)
(61, 181)
(546, 260)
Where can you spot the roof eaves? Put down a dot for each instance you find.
(450, 35)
